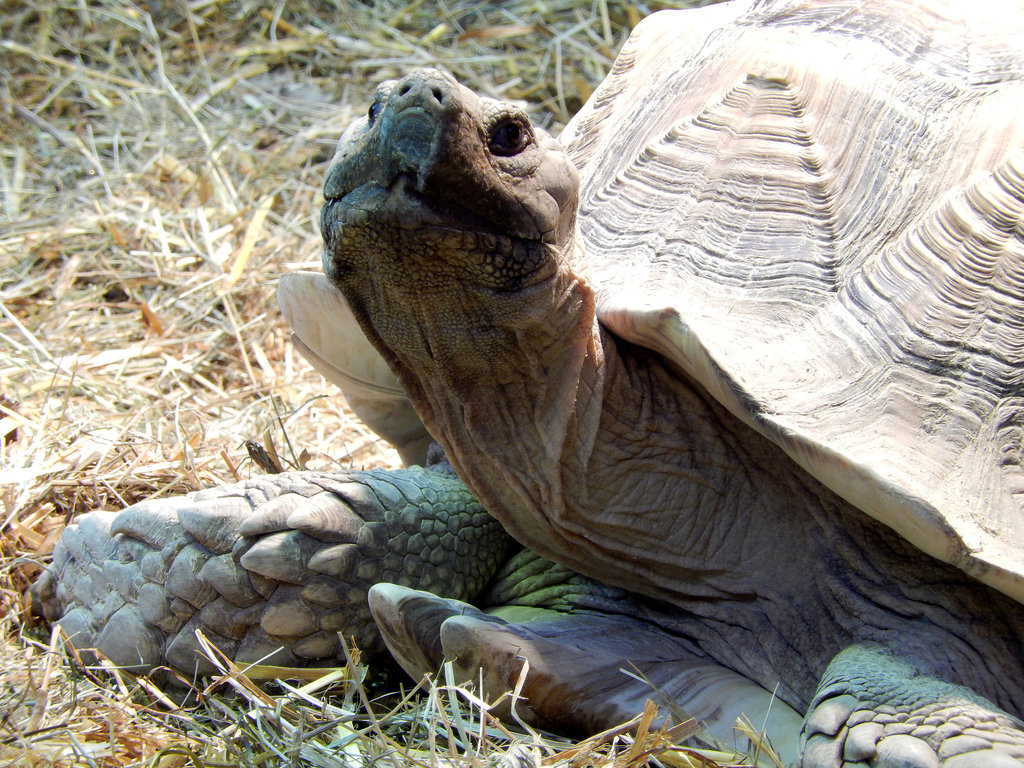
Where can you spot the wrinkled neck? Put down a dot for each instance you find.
(518, 403)
(508, 379)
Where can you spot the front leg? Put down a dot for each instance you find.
(274, 568)
(585, 657)
(872, 709)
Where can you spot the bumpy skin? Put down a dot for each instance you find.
(596, 453)
(275, 568)
(872, 709)
(450, 229)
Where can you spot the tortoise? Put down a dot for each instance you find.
(738, 359)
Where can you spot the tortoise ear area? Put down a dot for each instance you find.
(559, 180)
(534, 192)
(549, 192)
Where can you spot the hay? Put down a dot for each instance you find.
(160, 170)
(160, 167)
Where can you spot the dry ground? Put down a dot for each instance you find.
(160, 166)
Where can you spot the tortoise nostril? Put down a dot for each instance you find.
(420, 90)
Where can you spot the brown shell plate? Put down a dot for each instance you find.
(816, 210)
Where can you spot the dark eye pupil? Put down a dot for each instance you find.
(373, 111)
(509, 134)
(508, 138)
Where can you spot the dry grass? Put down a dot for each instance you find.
(160, 167)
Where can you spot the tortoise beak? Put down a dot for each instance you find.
(404, 140)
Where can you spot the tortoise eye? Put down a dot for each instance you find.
(509, 137)
(373, 111)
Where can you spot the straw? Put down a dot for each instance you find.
(160, 167)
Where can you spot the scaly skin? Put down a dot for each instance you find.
(275, 568)
(591, 451)
(449, 228)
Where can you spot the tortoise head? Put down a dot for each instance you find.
(432, 158)
(447, 221)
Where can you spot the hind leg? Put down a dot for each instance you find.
(586, 670)
(874, 710)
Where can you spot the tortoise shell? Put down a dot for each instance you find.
(818, 216)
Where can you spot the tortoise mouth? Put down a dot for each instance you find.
(401, 205)
(394, 232)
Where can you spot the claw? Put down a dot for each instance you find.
(154, 522)
(903, 751)
(214, 523)
(281, 556)
(329, 518)
(410, 622)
